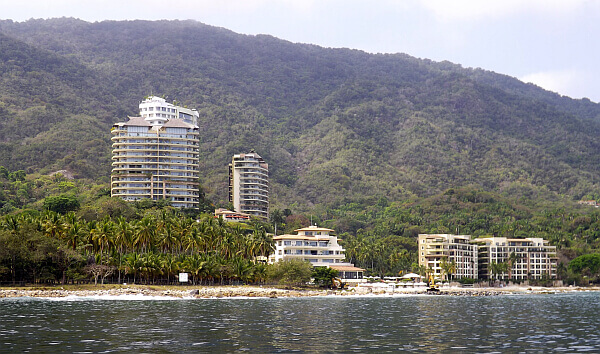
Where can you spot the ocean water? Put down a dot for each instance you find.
(566, 322)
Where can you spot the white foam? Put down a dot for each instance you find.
(135, 297)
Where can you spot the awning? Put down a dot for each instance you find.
(411, 276)
(346, 268)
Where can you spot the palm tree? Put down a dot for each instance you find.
(449, 268)
(512, 259)
(132, 264)
(123, 235)
(241, 269)
(102, 236)
(193, 264)
(259, 273)
(150, 266)
(419, 269)
(53, 224)
(73, 233)
(170, 264)
(498, 268)
(261, 244)
(11, 223)
(144, 234)
(167, 240)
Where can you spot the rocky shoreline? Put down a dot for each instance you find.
(204, 292)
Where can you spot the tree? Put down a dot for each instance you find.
(448, 268)
(64, 258)
(588, 263)
(291, 272)
(61, 204)
(498, 268)
(512, 259)
(277, 219)
(419, 269)
(99, 270)
(324, 276)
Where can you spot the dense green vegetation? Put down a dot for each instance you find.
(378, 147)
(586, 267)
(54, 219)
(50, 247)
(335, 125)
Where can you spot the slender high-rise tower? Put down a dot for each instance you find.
(249, 184)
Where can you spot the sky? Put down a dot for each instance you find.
(551, 43)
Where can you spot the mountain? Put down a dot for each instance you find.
(335, 125)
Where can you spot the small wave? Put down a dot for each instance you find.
(123, 297)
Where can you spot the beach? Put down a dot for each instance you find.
(192, 292)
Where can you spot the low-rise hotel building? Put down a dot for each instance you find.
(435, 248)
(318, 246)
(528, 258)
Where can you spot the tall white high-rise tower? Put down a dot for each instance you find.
(156, 156)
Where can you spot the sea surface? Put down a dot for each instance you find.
(565, 322)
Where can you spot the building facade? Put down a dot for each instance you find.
(249, 184)
(318, 246)
(434, 249)
(528, 258)
(156, 157)
(157, 107)
(231, 216)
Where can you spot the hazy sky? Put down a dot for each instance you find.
(552, 43)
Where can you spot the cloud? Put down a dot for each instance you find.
(482, 10)
(564, 82)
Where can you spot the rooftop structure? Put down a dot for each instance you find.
(231, 216)
(157, 107)
(156, 158)
(249, 184)
(435, 249)
(524, 258)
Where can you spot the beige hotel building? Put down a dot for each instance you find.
(433, 248)
(527, 258)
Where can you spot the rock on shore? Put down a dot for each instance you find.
(200, 292)
(265, 292)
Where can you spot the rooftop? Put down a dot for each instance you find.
(314, 228)
(346, 268)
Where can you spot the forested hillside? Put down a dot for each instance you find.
(336, 125)
(378, 147)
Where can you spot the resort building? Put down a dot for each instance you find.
(157, 107)
(318, 246)
(519, 258)
(437, 249)
(249, 184)
(156, 157)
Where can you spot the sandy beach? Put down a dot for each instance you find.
(191, 292)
